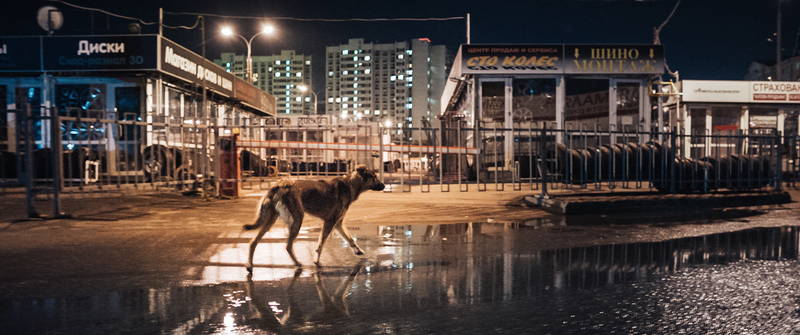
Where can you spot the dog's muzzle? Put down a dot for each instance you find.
(378, 187)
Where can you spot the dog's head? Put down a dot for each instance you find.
(371, 181)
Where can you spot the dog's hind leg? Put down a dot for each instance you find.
(346, 235)
(266, 219)
(327, 228)
(294, 229)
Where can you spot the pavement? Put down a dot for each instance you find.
(163, 239)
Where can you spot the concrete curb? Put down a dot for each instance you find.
(637, 203)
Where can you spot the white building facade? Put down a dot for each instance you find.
(397, 84)
(280, 75)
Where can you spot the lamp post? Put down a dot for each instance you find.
(304, 88)
(266, 29)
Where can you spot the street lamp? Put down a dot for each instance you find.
(304, 88)
(266, 29)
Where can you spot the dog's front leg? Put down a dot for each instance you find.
(346, 235)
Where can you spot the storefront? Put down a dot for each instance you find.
(565, 86)
(139, 91)
(721, 107)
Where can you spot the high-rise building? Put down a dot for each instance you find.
(280, 75)
(765, 70)
(397, 84)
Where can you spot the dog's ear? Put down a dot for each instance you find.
(362, 170)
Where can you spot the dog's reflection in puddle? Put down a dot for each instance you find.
(268, 315)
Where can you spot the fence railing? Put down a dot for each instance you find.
(48, 154)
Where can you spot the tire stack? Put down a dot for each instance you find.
(657, 164)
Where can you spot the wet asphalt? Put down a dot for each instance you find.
(442, 263)
(475, 278)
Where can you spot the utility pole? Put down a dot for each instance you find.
(778, 44)
(468, 29)
(160, 21)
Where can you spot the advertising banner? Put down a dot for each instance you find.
(20, 54)
(614, 59)
(507, 59)
(99, 53)
(254, 97)
(185, 64)
(715, 91)
(562, 59)
(741, 91)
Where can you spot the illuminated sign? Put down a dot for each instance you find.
(562, 59)
(741, 91)
(511, 59)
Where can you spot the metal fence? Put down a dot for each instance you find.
(47, 154)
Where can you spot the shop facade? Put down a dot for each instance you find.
(121, 94)
(603, 88)
(728, 107)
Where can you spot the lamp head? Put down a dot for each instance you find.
(226, 31)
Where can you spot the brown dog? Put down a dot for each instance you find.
(327, 200)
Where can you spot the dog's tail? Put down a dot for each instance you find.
(265, 209)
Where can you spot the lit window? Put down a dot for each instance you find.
(288, 68)
(399, 56)
(287, 99)
(355, 59)
(298, 99)
(409, 72)
(345, 98)
(355, 85)
(366, 71)
(277, 62)
(344, 105)
(392, 78)
(400, 77)
(270, 69)
(287, 62)
(408, 78)
(408, 52)
(330, 73)
(344, 72)
(308, 62)
(299, 74)
(308, 99)
(330, 100)
(277, 74)
(345, 51)
(288, 105)
(367, 58)
(409, 106)
(338, 99)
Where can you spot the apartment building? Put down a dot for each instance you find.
(397, 84)
(280, 75)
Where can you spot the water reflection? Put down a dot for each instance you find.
(423, 272)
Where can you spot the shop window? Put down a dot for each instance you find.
(25, 96)
(724, 121)
(628, 106)
(763, 119)
(493, 101)
(790, 123)
(3, 119)
(84, 100)
(586, 104)
(534, 100)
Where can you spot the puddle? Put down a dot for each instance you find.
(451, 279)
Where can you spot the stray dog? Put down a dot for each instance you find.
(327, 200)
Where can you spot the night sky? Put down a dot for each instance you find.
(706, 39)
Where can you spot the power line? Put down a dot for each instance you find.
(290, 18)
(146, 23)
(124, 17)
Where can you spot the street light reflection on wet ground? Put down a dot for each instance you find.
(460, 278)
